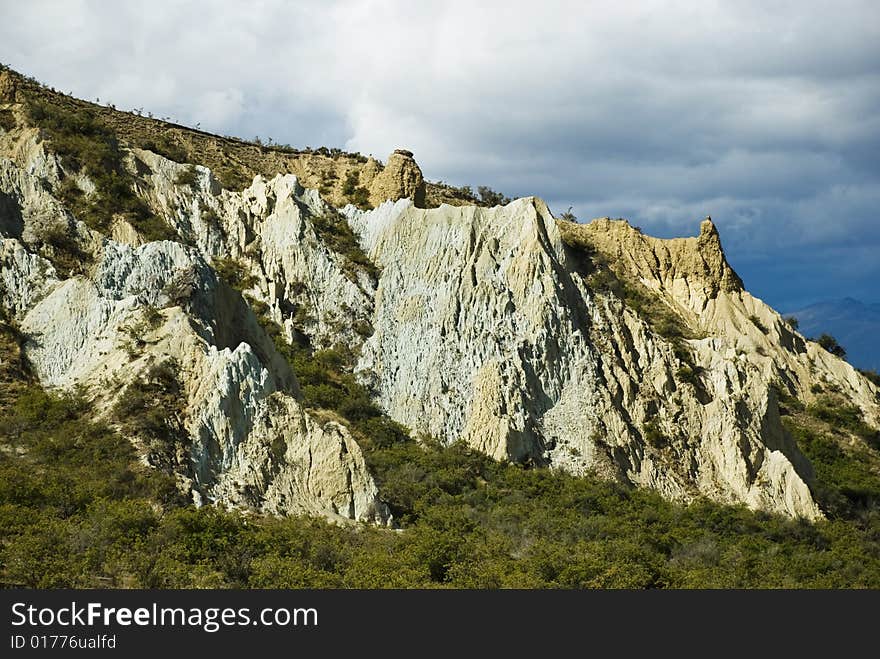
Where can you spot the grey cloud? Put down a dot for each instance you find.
(766, 115)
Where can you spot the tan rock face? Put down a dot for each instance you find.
(486, 331)
(401, 179)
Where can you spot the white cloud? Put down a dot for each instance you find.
(766, 115)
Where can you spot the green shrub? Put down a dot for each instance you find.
(7, 120)
(233, 176)
(690, 374)
(831, 345)
(234, 273)
(167, 147)
(363, 328)
(210, 217)
(490, 197)
(186, 176)
(788, 404)
(843, 416)
(846, 486)
(150, 408)
(654, 435)
(356, 194)
(871, 375)
(62, 248)
(662, 320)
(76, 510)
(302, 316)
(86, 145)
(336, 234)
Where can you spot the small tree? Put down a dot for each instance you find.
(831, 345)
(568, 216)
(491, 197)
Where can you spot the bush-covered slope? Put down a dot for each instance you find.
(76, 509)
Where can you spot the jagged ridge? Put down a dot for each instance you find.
(485, 325)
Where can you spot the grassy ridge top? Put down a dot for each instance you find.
(234, 161)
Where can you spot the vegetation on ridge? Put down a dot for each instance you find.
(233, 160)
(831, 345)
(86, 146)
(601, 277)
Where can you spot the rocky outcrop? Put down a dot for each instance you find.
(401, 179)
(692, 277)
(474, 324)
(248, 441)
(245, 439)
(486, 331)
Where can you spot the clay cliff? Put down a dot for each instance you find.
(580, 347)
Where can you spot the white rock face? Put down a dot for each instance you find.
(267, 228)
(483, 329)
(248, 441)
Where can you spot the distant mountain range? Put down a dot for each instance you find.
(854, 324)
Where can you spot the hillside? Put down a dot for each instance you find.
(342, 177)
(221, 324)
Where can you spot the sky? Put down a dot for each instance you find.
(764, 115)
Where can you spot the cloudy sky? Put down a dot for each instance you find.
(764, 115)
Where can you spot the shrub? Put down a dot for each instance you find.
(654, 435)
(334, 231)
(602, 278)
(357, 195)
(831, 345)
(690, 374)
(64, 251)
(210, 217)
(846, 485)
(757, 323)
(233, 176)
(166, 147)
(151, 408)
(490, 197)
(234, 273)
(86, 145)
(792, 322)
(76, 510)
(568, 216)
(363, 328)
(186, 176)
(787, 403)
(7, 120)
(842, 416)
(871, 375)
